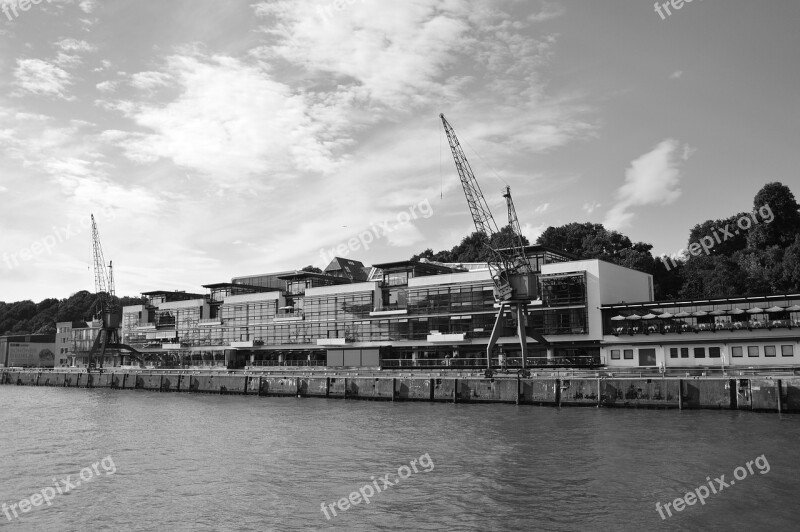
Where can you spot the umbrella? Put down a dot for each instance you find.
(633, 317)
(756, 310)
(649, 317)
(700, 313)
(665, 316)
(775, 309)
(736, 311)
(618, 318)
(793, 308)
(717, 312)
(682, 315)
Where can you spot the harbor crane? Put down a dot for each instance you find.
(109, 311)
(515, 284)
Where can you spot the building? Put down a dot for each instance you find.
(28, 351)
(402, 314)
(744, 332)
(408, 314)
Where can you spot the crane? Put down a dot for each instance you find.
(515, 284)
(110, 313)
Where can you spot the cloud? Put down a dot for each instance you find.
(41, 78)
(676, 75)
(532, 232)
(590, 207)
(549, 11)
(75, 45)
(107, 86)
(542, 208)
(149, 80)
(652, 179)
(230, 122)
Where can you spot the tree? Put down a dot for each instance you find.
(311, 269)
(472, 248)
(777, 210)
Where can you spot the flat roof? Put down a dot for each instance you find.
(238, 286)
(415, 264)
(299, 274)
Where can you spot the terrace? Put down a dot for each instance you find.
(741, 314)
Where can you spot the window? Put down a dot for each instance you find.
(787, 350)
(615, 354)
(736, 351)
(699, 352)
(684, 352)
(673, 352)
(647, 357)
(713, 352)
(628, 354)
(752, 350)
(769, 351)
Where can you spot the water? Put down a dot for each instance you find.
(203, 462)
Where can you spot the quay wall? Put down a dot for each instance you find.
(762, 394)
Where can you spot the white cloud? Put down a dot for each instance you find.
(75, 45)
(231, 122)
(542, 208)
(676, 75)
(149, 80)
(40, 77)
(107, 86)
(651, 179)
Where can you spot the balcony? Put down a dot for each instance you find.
(332, 341)
(208, 322)
(389, 311)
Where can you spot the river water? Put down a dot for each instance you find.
(156, 461)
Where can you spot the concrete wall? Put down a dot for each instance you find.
(759, 394)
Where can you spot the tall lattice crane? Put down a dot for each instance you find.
(514, 281)
(110, 314)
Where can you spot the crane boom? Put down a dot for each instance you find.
(505, 264)
(101, 280)
(514, 281)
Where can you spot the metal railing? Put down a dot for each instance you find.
(644, 328)
(510, 362)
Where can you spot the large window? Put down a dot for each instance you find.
(752, 350)
(564, 290)
(737, 351)
(673, 352)
(615, 354)
(769, 351)
(684, 352)
(628, 354)
(787, 350)
(713, 352)
(395, 278)
(699, 352)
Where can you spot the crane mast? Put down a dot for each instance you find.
(515, 283)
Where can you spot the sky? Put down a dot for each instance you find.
(220, 138)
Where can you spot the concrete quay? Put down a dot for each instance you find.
(756, 393)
